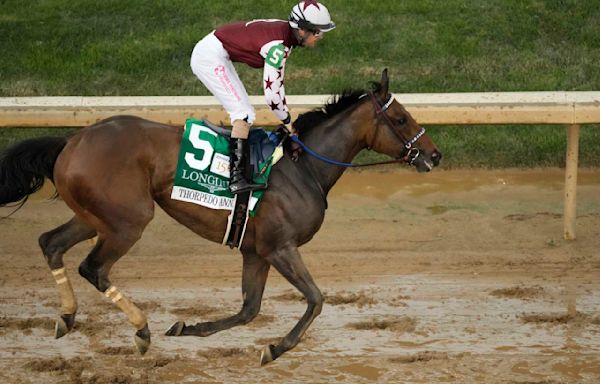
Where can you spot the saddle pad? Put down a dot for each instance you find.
(202, 174)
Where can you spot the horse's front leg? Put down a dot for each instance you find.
(254, 277)
(289, 263)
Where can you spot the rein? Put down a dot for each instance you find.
(327, 160)
(409, 157)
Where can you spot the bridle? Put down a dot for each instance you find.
(410, 153)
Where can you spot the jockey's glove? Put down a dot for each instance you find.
(287, 123)
(292, 148)
(290, 129)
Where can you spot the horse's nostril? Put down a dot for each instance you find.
(436, 157)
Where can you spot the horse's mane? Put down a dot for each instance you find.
(337, 104)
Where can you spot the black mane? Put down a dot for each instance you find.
(334, 106)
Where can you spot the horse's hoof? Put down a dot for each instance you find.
(266, 356)
(64, 325)
(176, 329)
(142, 339)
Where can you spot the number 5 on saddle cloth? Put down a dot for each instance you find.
(202, 174)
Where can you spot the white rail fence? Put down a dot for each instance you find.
(566, 108)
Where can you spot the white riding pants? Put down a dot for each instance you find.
(211, 64)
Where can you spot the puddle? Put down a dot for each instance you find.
(356, 369)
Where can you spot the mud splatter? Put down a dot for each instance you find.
(110, 379)
(72, 368)
(342, 298)
(359, 299)
(158, 361)
(196, 310)
(161, 362)
(398, 301)
(578, 319)
(56, 364)
(92, 328)
(403, 324)
(26, 324)
(419, 357)
(288, 296)
(215, 353)
(117, 351)
(150, 306)
(519, 292)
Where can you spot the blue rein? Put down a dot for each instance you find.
(314, 154)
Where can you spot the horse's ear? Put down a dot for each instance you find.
(385, 82)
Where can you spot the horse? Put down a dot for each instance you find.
(111, 174)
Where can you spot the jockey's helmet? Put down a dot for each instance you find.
(312, 16)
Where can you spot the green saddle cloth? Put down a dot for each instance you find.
(202, 175)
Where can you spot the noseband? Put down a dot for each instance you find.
(409, 153)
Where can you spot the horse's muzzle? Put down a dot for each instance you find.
(422, 162)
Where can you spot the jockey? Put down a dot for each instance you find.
(264, 44)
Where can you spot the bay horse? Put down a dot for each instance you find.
(111, 174)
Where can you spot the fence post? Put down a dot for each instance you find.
(570, 210)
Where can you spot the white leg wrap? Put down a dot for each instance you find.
(67, 296)
(133, 313)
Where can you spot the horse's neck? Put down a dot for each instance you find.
(336, 140)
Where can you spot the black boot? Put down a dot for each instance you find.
(237, 168)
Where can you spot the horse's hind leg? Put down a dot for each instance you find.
(54, 244)
(96, 267)
(288, 262)
(254, 277)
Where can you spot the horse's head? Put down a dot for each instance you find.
(396, 133)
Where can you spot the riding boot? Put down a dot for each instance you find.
(237, 167)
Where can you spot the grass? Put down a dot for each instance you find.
(142, 47)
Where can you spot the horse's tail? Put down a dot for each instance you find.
(24, 166)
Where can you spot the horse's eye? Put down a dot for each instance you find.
(402, 121)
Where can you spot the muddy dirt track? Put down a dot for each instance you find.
(452, 276)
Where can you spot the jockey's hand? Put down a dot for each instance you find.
(290, 128)
(287, 123)
(292, 148)
(296, 150)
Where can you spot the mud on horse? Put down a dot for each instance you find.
(112, 173)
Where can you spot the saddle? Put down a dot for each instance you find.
(262, 143)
